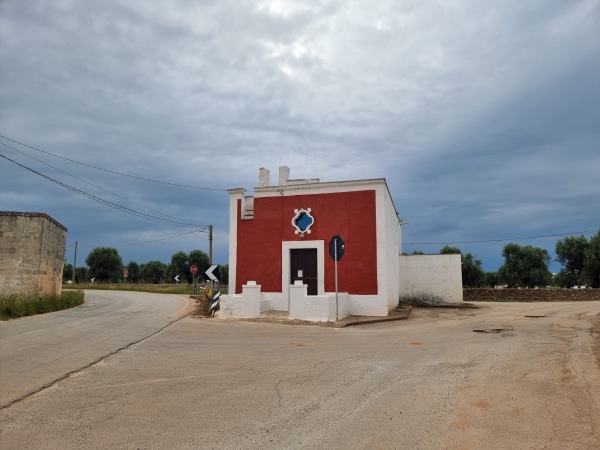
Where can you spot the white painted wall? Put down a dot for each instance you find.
(432, 278)
(316, 308)
(392, 251)
(234, 196)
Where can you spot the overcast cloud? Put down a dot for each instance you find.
(483, 116)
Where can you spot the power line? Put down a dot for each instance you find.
(112, 171)
(100, 200)
(91, 184)
(147, 242)
(499, 240)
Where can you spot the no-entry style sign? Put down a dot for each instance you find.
(125, 272)
(337, 247)
(194, 269)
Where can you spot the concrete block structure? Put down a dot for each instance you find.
(279, 238)
(32, 251)
(431, 279)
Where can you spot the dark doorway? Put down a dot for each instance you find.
(303, 263)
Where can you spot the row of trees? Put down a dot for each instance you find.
(524, 266)
(527, 266)
(104, 264)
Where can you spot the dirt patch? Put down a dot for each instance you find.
(415, 343)
(298, 344)
(596, 336)
(202, 308)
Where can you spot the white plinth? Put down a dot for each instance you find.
(250, 300)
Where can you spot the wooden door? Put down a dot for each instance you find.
(303, 264)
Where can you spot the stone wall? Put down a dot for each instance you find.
(532, 295)
(32, 251)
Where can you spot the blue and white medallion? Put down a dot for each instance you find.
(302, 221)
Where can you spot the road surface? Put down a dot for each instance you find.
(36, 351)
(529, 378)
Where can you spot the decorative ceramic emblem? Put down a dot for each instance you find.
(302, 221)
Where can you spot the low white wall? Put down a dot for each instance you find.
(431, 278)
(246, 304)
(316, 308)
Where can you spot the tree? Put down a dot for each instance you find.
(105, 264)
(492, 279)
(570, 253)
(200, 259)
(525, 266)
(447, 250)
(224, 269)
(471, 268)
(417, 252)
(67, 272)
(135, 273)
(154, 272)
(180, 265)
(472, 271)
(591, 262)
(81, 275)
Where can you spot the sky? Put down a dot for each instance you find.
(483, 116)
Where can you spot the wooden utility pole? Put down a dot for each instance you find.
(74, 262)
(210, 239)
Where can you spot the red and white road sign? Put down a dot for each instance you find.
(125, 275)
(194, 269)
(125, 272)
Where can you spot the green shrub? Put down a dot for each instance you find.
(20, 305)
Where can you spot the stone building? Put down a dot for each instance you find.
(32, 251)
(279, 252)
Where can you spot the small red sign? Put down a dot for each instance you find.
(125, 275)
(194, 269)
(125, 271)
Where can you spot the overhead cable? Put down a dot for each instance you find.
(100, 200)
(499, 240)
(147, 242)
(112, 171)
(91, 184)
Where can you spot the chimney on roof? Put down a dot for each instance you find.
(264, 177)
(284, 175)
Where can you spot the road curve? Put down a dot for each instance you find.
(36, 351)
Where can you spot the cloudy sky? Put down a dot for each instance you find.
(483, 116)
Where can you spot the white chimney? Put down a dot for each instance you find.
(264, 177)
(284, 175)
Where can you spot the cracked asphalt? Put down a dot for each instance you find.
(429, 382)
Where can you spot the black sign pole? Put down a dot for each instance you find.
(336, 281)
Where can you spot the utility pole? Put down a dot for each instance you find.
(74, 262)
(210, 239)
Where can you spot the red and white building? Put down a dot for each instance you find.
(279, 249)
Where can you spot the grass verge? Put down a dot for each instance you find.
(155, 288)
(13, 306)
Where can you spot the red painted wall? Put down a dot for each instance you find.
(352, 215)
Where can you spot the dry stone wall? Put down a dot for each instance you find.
(532, 295)
(32, 250)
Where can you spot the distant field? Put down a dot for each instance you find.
(155, 288)
(19, 305)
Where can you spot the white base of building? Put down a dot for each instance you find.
(314, 308)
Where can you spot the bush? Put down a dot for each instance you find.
(19, 305)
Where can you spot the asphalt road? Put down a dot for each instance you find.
(529, 379)
(38, 350)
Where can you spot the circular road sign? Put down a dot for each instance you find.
(194, 269)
